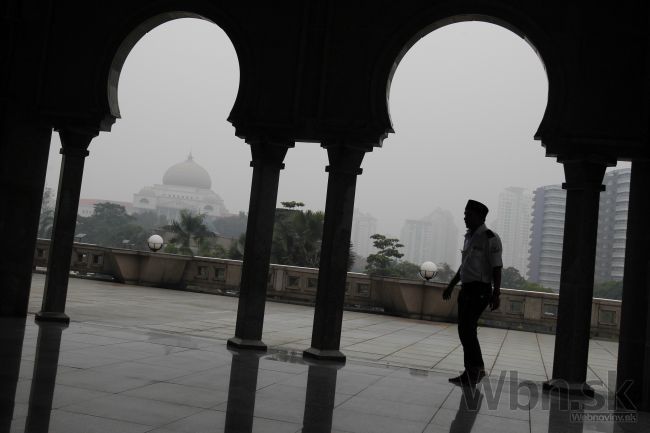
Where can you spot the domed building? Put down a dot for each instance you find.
(185, 185)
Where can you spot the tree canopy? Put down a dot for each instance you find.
(386, 262)
(189, 233)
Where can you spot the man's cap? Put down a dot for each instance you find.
(478, 207)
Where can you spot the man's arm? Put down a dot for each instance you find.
(496, 280)
(450, 287)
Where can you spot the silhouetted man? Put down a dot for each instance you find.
(479, 271)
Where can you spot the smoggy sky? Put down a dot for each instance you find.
(465, 102)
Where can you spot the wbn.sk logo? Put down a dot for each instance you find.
(526, 395)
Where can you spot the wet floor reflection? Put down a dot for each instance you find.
(320, 396)
(46, 362)
(241, 390)
(11, 349)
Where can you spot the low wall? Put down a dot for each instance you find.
(415, 299)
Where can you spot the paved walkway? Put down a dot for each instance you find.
(138, 359)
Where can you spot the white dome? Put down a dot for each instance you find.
(187, 173)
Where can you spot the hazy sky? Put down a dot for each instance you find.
(465, 101)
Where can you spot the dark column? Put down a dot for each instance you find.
(11, 350)
(633, 371)
(23, 164)
(74, 148)
(46, 363)
(345, 162)
(267, 163)
(584, 178)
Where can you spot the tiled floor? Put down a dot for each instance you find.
(138, 359)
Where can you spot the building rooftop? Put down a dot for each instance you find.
(139, 359)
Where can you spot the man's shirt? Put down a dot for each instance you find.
(481, 253)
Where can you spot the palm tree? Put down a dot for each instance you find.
(189, 232)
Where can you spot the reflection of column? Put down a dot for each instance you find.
(560, 415)
(583, 184)
(468, 408)
(11, 350)
(319, 398)
(634, 338)
(241, 391)
(345, 162)
(44, 377)
(24, 148)
(267, 163)
(74, 148)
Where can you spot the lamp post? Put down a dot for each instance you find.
(155, 242)
(428, 270)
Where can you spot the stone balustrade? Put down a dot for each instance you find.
(416, 299)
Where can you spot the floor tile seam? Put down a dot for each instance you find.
(438, 410)
(496, 357)
(110, 419)
(541, 355)
(413, 344)
(447, 356)
(599, 378)
(606, 349)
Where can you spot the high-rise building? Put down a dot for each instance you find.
(548, 230)
(612, 226)
(546, 236)
(364, 225)
(513, 218)
(432, 238)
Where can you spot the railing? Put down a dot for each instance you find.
(524, 310)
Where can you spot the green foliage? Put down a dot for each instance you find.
(386, 261)
(534, 287)
(236, 250)
(297, 236)
(445, 273)
(609, 290)
(292, 204)
(189, 231)
(231, 226)
(511, 279)
(110, 225)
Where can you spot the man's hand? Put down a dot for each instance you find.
(447, 292)
(495, 301)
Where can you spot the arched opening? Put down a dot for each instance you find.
(466, 101)
(178, 80)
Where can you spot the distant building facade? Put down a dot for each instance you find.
(185, 185)
(364, 225)
(547, 231)
(513, 220)
(433, 238)
(87, 206)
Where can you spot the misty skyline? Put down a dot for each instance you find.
(465, 102)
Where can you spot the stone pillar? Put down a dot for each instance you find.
(74, 148)
(345, 162)
(584, 178)
(24, 148)
(633, 371)
(266, 163)
(46, 364)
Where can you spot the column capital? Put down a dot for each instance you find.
(345, 158)
(585, 171)
(76, 139)
(269, 152)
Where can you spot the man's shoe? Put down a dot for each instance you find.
(459, 380)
